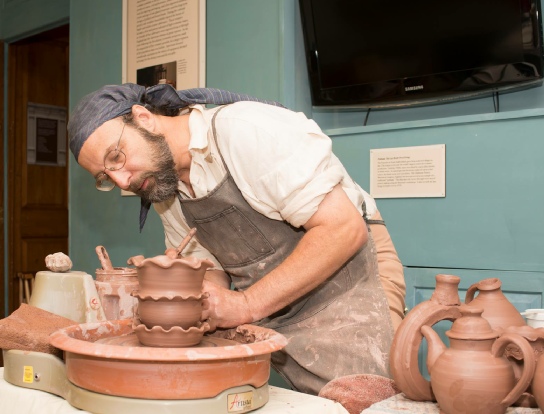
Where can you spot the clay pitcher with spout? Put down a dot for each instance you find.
(538, 383)
(498, 310)
(443, 305)
(472, 376)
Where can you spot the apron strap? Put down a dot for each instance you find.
(370, 221)
(214, 132)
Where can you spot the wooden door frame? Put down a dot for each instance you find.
(22, 204)
(12, 294)
(2, 241)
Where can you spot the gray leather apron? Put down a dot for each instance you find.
(340, 328)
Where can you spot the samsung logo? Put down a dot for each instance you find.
(413, 88)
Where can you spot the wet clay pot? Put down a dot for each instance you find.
(498, 310)
(472, 376)
(443, 305)
(170, 311)
(170, 300)
(175, 337)
(163, 276)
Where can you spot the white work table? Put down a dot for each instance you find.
(400, 404)
(20, 400)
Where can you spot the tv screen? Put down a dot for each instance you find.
(377, 53)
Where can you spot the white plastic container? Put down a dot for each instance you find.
(535, 317)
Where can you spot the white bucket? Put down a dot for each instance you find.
(535, 317)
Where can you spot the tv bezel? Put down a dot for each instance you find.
(355, 96)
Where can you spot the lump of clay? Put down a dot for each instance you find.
(58, 262)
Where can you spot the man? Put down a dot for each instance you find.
(273, 208)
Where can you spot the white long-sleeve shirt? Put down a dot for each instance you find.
(280, 160)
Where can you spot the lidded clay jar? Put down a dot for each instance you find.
(472, 376)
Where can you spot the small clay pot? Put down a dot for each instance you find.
(170, 311)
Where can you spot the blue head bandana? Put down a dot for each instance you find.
(112, 101)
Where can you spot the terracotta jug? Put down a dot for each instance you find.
(498, 310)
(472, 376)
(538, 384)
(443, 305)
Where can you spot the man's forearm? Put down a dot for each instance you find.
(334, 234)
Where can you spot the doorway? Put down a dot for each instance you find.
(37, 171)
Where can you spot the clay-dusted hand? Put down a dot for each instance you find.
(224, 308)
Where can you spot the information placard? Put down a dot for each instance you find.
(408, 172)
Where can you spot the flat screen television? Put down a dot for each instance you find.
(371, 53)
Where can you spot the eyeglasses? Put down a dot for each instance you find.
(113, 160)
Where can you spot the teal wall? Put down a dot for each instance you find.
(101, 218)
(489, 219)
(23, 18)
(491, 215)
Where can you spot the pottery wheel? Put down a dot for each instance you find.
(108, 358)
(131, 340)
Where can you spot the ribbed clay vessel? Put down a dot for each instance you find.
(170, 300)
(170, 311)
(163, 276)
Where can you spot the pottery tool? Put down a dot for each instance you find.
(185, 242)
(104, 258)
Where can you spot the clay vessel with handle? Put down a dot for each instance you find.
(538, 383)
(535, 338)
(498, 310)
(472, 376)
(443, 305)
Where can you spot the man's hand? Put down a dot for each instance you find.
(225, 308)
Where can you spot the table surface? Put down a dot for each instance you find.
(20, 400)
(400, 404)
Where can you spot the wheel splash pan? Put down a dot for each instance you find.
(106, 357)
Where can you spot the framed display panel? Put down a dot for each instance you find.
(164, 42)
(46, 135)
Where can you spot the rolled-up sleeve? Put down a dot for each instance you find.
(280, 160)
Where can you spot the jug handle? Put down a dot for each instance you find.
(529, 364)
(470, 293)
(403, 357)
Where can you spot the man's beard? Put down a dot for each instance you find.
(163, 182)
